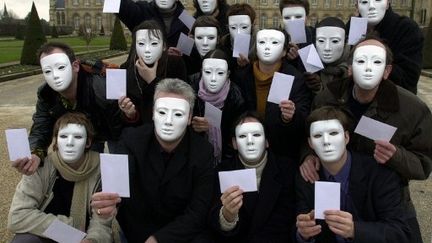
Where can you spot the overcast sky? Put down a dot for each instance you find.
(23, 7)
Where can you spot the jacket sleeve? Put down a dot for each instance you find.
(413, 160)
(132, 13)
(99, 229)
(389, 225)
(188, 225)
(24, 214)
(42, 127)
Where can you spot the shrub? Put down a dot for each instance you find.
(34, 39)
(118, 40)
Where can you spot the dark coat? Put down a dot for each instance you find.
(376, 201)
(284, 138)
(397, 107)
(169, 203)
(91, 100)
(141, 93)
(133, 13)
(267, 215)
(405, 40)
(234, 106)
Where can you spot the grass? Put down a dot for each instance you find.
(11, 49)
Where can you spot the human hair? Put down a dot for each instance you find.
(218, 54)
(49, 47)
(178, 87)
(206, 21)
(221, 6)
(73, 118)
(242, 9)
(373, 36)
(242, 119)
(329, 113)
(303, 3)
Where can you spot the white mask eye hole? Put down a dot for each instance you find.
(162, 113)
(221, 73)
(334, 133)
(242, 136)
(317, 135)
(47, 72)
(335, 41)
(62, 136)
(261, 42)
(360, 61)
(378, 62)
(178, 114)
(257, 135)
(275, 42)
(212, 37)
(62, 67)
(321, 41)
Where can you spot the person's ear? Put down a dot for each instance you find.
(387, 71)
(234, 143)
(88, 143)
(310, 143)
(266, 144)
(190, 118)
(75, 66)
(347, 137)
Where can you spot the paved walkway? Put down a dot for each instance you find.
(17, 100)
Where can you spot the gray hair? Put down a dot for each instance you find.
(178, 87)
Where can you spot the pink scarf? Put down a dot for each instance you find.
(218, 100)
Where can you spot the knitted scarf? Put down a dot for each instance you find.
(218, 100)
(89, 166)
(262, 85)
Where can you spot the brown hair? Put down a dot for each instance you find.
(373, 36)
(329, 113)
(206, 21)
(304, 3)
(49, 47)
(243, 117)
(242, 9)
(76, 118)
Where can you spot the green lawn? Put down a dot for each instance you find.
(10, 50)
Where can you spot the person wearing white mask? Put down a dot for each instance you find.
(147, 63)
(70, 86)
(62, 188)
(402, 35)
(241, 18)
(266, 215)
(215, 87)
(283, 121)
(165, 12)
(333, 52)
(215, 8)
(369, 92)
(292, 10)
(370, 200)
(171, 177)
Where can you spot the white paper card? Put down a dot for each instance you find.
(187, 19)
(213, 115)
(17, 143)
(374, 129)
(327, 197)
(245, 179)
(185, 44)
(116, 83)
(358, 28)
(280, 88)
(296, 29)
(63, 233)
(241, 45)
(310, 59)
(115, 173)
(111, 6)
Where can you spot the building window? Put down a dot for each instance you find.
(87, 2)
(403, 3)
(314, 2)
(63, 18)
(275, 21)
(276, 2)
(75, 2)
(98, 22)
(327, 3)
(58, 19)
(76, 22)
(263, 21)
(87, 21)
(339, 3)
(352, 3)
(264, 2)
(99, 2)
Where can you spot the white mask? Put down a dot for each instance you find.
(292, 13)
(205, 39)
(270, 45)
(251, 142)
(71, 142)
(330, 43)
(165, 4)
(207, 6)
(148, 46)
(171, 117)
(374, 10)
(214, 74)
(327, 139)
(369, 63)
(57, 70)
(239, 24)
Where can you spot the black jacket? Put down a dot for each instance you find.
(284, 138)
(169, 200)
(133, 13)
(267, 215)
(91, 100)
(141, 93)
(376, 201)
(234, 106)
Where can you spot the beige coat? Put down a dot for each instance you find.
(32, 196)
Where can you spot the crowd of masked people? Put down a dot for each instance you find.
(175, 152)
